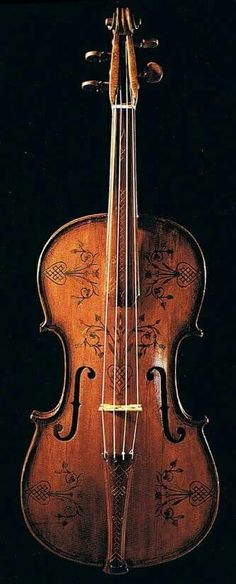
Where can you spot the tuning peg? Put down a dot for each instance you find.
(153, 73)
(95, 86)
(109, 22)
(97, 56)
(137, 22)
(148, 44)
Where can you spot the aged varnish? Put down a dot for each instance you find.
(118, 475)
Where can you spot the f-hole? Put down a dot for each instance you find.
(75, 406)
(164, 406)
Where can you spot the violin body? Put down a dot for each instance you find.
(162, 503)
(118, 474)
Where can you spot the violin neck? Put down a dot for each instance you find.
(123, 211)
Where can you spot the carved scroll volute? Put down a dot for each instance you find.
(124, 25)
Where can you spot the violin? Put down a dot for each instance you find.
(118, 475)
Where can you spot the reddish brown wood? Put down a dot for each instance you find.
(91, 495)
(174, 487)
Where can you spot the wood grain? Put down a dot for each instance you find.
(174, 491)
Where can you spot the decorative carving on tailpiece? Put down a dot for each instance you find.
(70, 495)
(87, 272)
(158, 273)
(118, 478)
(169, 496)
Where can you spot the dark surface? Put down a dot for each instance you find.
(54, 158)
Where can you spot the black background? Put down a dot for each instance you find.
(54, 155)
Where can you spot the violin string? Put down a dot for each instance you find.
(116, 280)
(126, 246)
(112, 188)
(136, 198)
(136, 275)
(108, 262)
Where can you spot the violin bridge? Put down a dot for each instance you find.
(120, 408)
